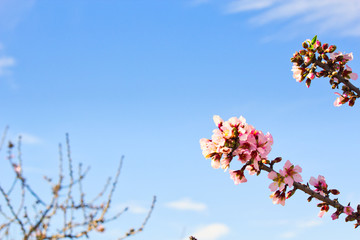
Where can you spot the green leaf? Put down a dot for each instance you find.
(314, 40)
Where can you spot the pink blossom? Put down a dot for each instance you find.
(291, 173)
(348, 210)
(317, 44)
(311, 75)
(278, 197)
(208, 147)
(321, 213)
(347, 57)
(17, 169)
(217, 120)
(237, 176)
(297, 72)
(225, 162)
(251, 169)
(340, 100)
(319, 184)
(351, 75)
(335, 215)
(278, 181)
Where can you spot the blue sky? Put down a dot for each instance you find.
(144, 78)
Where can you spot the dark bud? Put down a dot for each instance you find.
(305, 45)
(352, 101)
(308, 82)
(332, 48)
(309, 199)
(325, 46)
(11, 145)
(334, 191)
(350, 218)
(192, 238)
(277, 160)
(302, 52)
(290, 193)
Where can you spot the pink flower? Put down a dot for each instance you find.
(340, 100)
(278, 197)
(237, 176)
(278, 181)
(348, 210)
(323, 210)
(350, 74)
(208, 147)
(317, 44)
(297, 72)
(17, 169)
(319, 184)
(347, 57)
(335, 215)
(218, 120)
(321, 213)
(311, 75)
(291, 173)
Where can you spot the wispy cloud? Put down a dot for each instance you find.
(5, 64)
(211, 232)
(133, 207)
(321, 15)
(13, 11)
(29, 139)
(298, 226)
(187, 204)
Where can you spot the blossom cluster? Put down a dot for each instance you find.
(315, 55)
(235, 138)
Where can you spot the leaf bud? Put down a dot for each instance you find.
(277, 160)
(310, 198)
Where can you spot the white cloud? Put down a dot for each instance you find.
(320, 15)
(288, 235)
(29, 139)
(309, 224)
(246, 5)
(211, 232)
(5, 63)
(134, 208)
(187, 204)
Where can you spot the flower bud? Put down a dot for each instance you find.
(311, 76)
(310, 198)
(352, 101)
(350, 218)
(302, 52)
(290, 193)
(308, 82)
(325, 46)
(277, 160)
(332, 48)
(305, 45)
(334, 191)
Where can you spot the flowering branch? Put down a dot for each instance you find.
(237, 139)
(334, 66)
